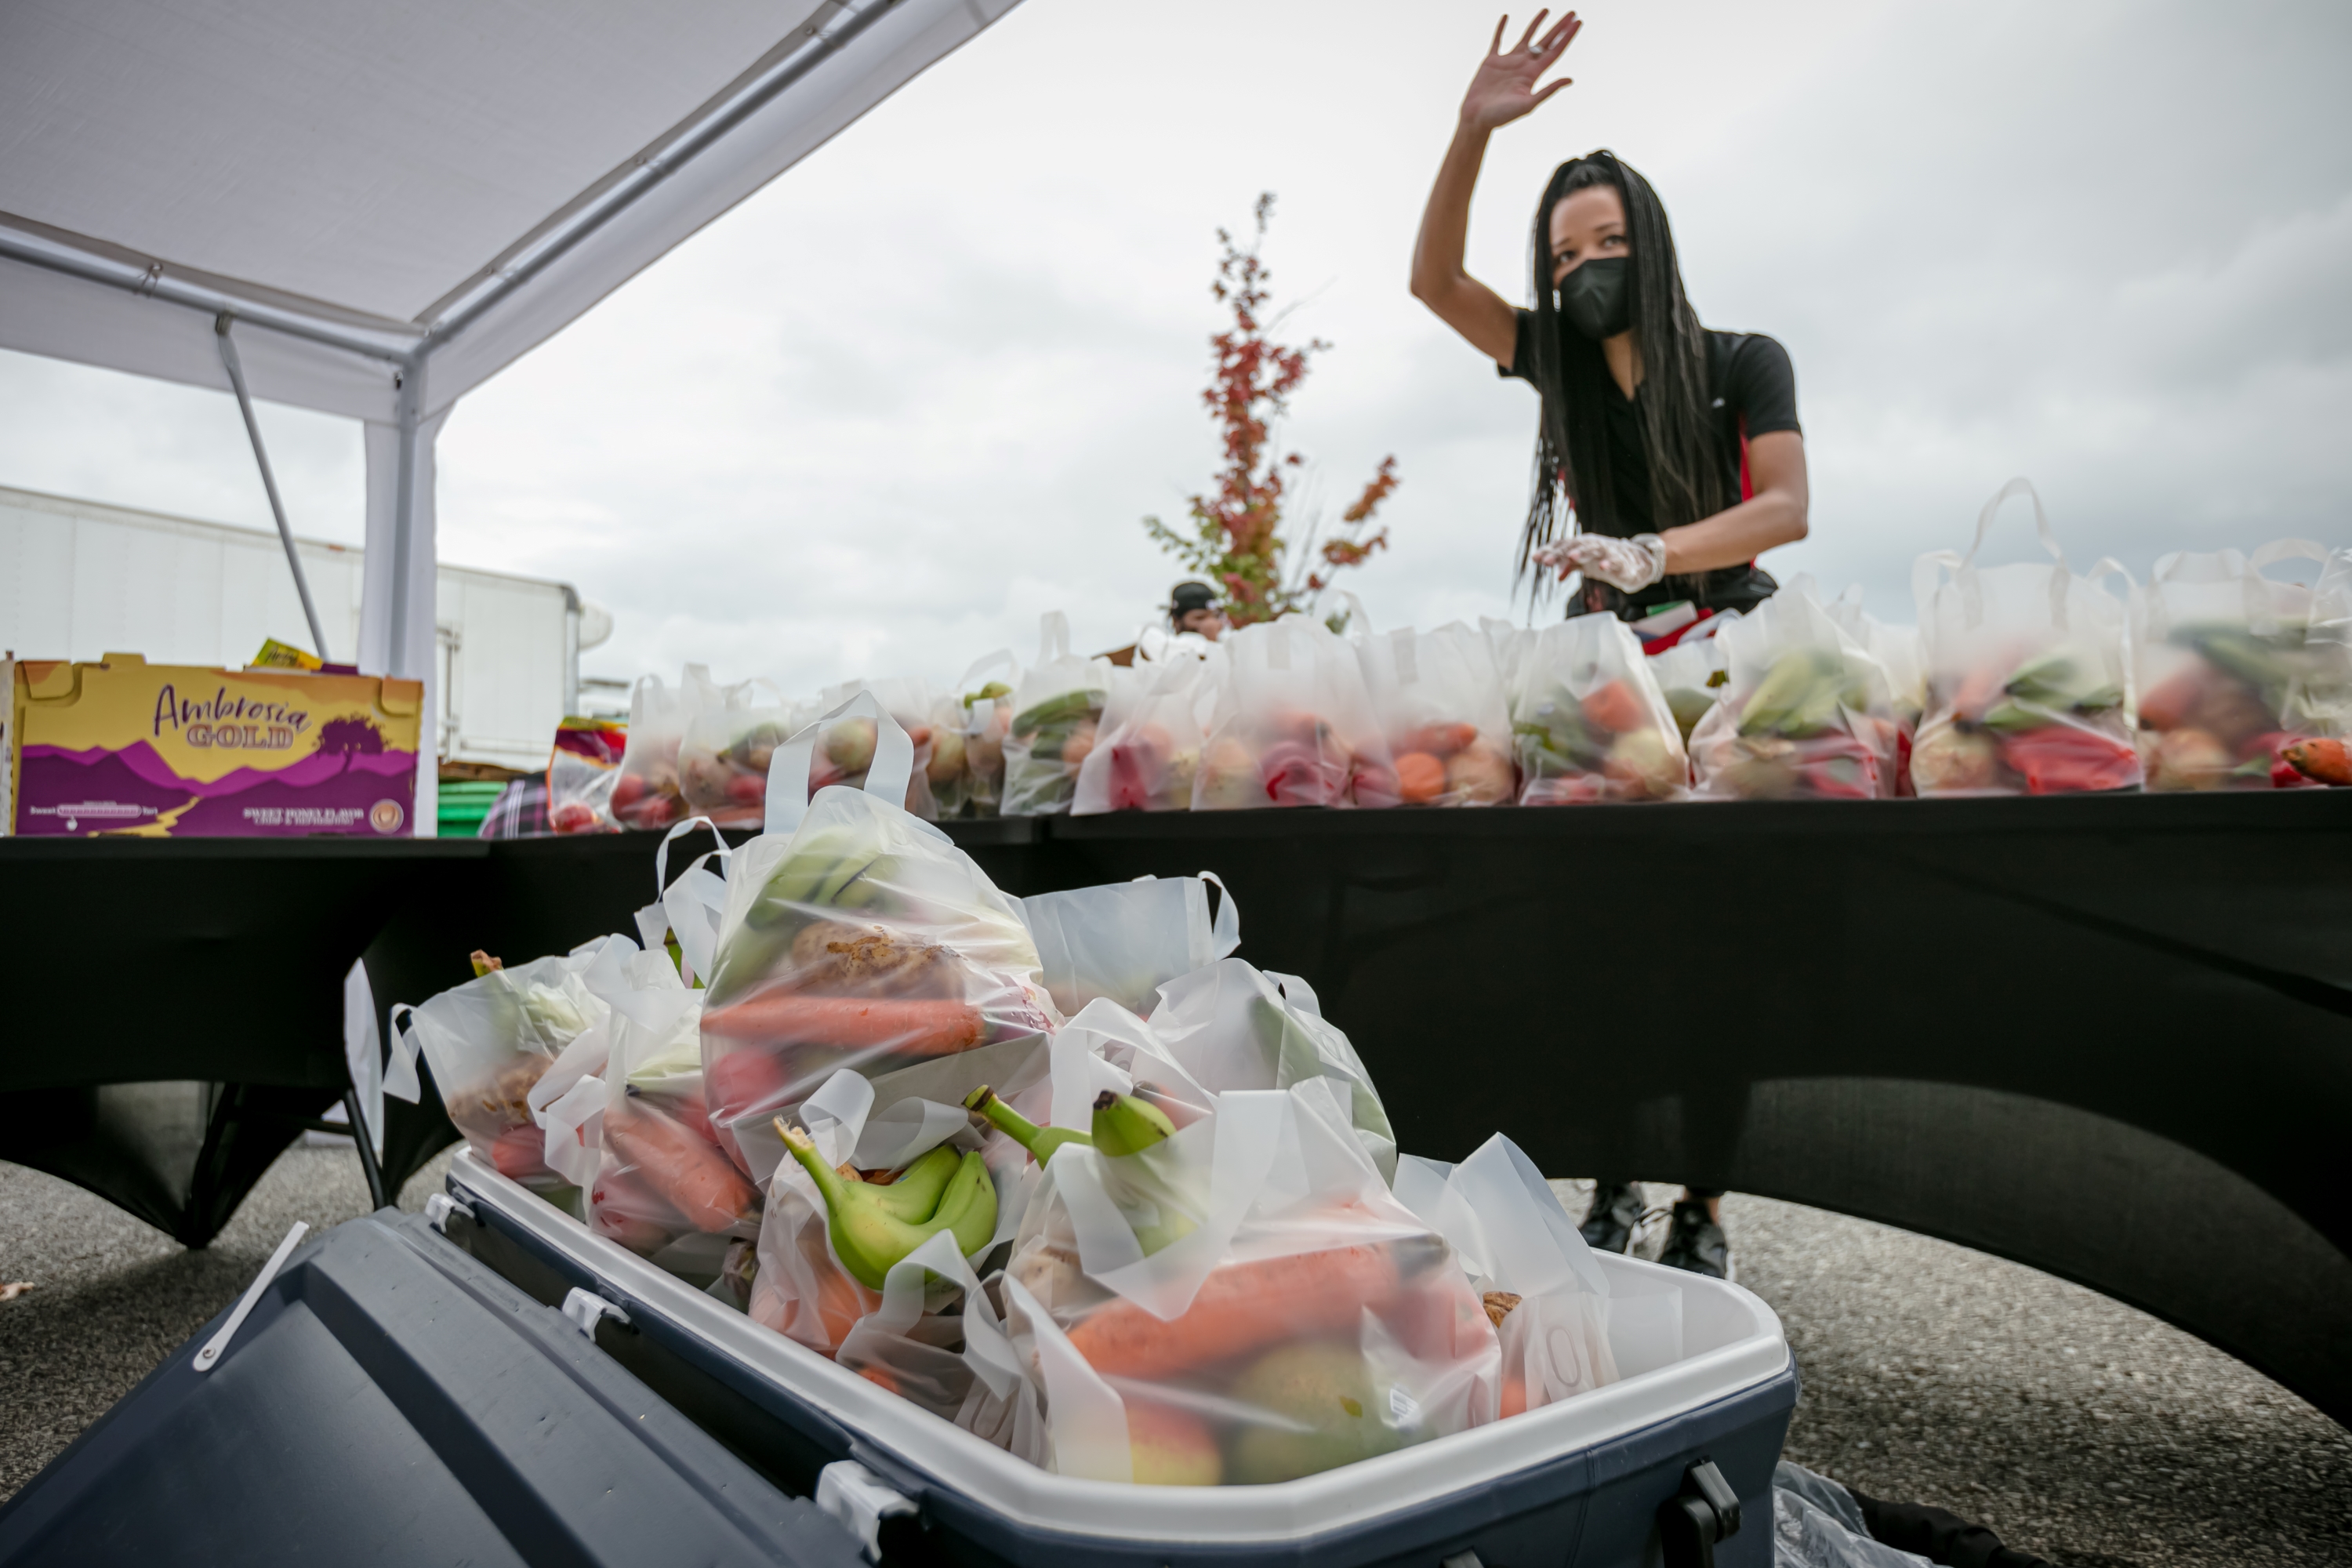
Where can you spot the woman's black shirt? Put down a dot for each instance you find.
(1755, 393)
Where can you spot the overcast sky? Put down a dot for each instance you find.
(921, 388)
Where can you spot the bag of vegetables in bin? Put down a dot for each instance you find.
(1439, 698)
(1124, 941)
(1805, 715)
(1147, 749)
(1232, 1296)
(491, 1041)
(2027, 674)
(859, 1192)
(1057, 707)
(1292, 724)
(1590, 721)
(648, 793)
(855, 935)
(2232, 686)
(1549, 1299)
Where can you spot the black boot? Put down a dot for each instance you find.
(1697, 1243)
(1615, 1215)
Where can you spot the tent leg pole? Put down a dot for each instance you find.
(268, 480)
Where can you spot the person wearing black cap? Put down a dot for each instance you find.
(1192, 608)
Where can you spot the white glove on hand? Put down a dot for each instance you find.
(1628, 565)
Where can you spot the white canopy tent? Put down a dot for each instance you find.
(383, 203)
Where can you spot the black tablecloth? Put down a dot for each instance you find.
(2109, 1036)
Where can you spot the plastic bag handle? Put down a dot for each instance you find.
(1360, 619)
(1002, 658)
(1053, 637)
(890, 774)
(400, 1079)
(2279, 550)
(1226, 929)
(661, 851)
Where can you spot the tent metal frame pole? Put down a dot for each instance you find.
(409, 397)
(154, 283)
(713, 128)
(221, 324)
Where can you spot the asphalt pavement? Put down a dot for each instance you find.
(2074, 1425)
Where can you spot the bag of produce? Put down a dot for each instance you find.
(1124, 941)
(1232, 1296)
(722, 759)
(1153, 729)
(1805, 715)
(2028, 673)
(985, 702)
(1541, 1289)
(1692, 673)
(855, 935)
(582, 770)
(1292, 724)
(489, 1042)
(1591, 722)
(647, 793)
(935, 1338)
(2228, 671)
(1440, 702)
(1056, 709)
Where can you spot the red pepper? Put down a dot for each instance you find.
(2064, 759)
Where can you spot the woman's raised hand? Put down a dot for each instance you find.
(1505, 86)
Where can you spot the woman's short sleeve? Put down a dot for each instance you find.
(1759, 382)
(1522, 356)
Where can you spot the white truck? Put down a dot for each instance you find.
(79, 579)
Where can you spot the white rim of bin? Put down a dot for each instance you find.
(1285, 1510)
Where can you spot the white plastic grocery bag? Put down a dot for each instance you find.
(648, 793)
(723, 755)
(1806, 713)
(1692, 673)
(1153, 730)
(489, 1042)
(984, 698)
(1440, 704)
(1241, 1302)
(2029, 679)
(2229, 672)
(1056, 710)
(855, 935)
(935, 1338)
(1534, 1274)
(1126, 939)
(1591, 722)
(1292, 724)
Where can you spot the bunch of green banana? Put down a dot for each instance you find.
(875, 1226)
(1127, 1124)
(1802, 695)
(1040, 1141)
(988, 693)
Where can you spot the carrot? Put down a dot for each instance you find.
(915, 1027)
(1421, 777)
(2329, 762)
(692, 1175)
(1241, 1307)
(1514, 1396)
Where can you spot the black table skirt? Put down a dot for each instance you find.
(2107, 1036)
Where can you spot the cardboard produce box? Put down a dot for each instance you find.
(161, 751)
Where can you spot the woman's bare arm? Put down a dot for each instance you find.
(1774, 515)
(1503, 89)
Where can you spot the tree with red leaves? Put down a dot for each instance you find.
(1235, 539)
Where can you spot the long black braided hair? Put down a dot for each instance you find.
(1573, 468)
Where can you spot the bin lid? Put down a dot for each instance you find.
(389, 1398)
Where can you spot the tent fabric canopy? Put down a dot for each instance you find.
(393, 200)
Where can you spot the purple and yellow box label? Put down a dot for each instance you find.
(162, 750)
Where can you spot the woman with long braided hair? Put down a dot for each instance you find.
(1667, 457)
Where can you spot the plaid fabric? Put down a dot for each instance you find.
(520, 812)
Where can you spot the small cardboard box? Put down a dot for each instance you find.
(161, 751)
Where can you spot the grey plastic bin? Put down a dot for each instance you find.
(1577, 1483)
(391, 1400)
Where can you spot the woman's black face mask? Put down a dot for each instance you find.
(1592, 297)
